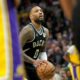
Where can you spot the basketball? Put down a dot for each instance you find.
(45, 70)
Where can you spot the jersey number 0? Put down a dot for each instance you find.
(36, 53)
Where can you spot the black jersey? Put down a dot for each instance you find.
(34, 47)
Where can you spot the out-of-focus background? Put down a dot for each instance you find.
(60, 32)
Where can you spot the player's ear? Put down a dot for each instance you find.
(30, 15)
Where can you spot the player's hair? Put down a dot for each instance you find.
(34, 5)
(29, 10)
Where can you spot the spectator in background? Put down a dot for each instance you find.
(55, 55)
(42, 4)
(51, 52)
(68, 73)
(58, 56)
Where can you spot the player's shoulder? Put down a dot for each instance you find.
(46, 31)
(27, 29)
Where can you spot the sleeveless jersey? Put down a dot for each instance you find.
(34, 47)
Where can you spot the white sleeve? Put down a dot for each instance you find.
(71, 49)
(43, 56)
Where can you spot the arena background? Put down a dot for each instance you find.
(60, 37)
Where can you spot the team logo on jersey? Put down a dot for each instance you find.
(44, 35)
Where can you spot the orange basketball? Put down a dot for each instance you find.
(45, 70)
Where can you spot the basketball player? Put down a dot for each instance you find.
(33, 38)
(73, 53)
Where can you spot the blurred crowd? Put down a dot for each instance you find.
(60, 33)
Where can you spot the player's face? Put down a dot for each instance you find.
(37, 14)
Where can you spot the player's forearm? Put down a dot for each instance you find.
(67, 8)
(28, 59)
(17, 3)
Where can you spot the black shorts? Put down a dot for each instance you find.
(30, 72)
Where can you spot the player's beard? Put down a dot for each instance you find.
(39, 21)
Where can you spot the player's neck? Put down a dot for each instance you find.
(36, 25)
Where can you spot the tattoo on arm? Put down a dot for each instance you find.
(26, 35)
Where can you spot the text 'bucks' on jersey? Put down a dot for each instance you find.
(34, 47)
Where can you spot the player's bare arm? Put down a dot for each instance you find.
(47, 32)
(67, 6)
(17, 3)
(26, 32)
(47, 35)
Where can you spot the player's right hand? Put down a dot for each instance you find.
(38, 62)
